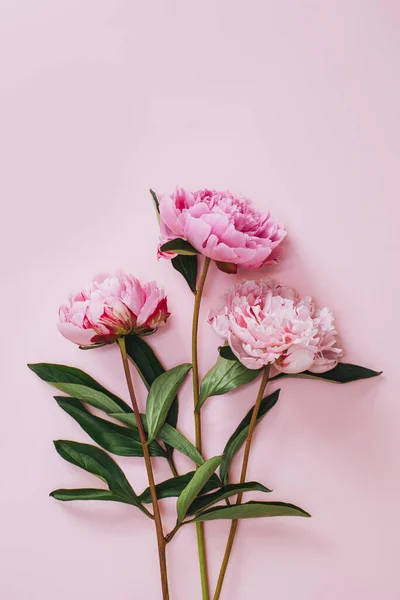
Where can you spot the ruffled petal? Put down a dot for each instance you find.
(195, 231)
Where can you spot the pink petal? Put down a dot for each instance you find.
(218, 251)
(199, 209)
(169, 215)
(78, 335)
(195, 231)
(233, 238)
(95, 308)
(218, 223)
(257, 259)
(250, 362)
(149, 307)
(295, 362)
(322, 365)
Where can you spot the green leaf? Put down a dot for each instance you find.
(171, 436)
(203, 502)
(89, 396)
(88, 494)
(167, 434)
(149, 368)
(144, 359)
(80, 385)
(227, 353)
(161, 396)
(251, 510)
(342, 373)
(96, 461)
(156, 203)
(195, 485)
(113, 438)
(179, 246)
(130, 419)
(174, 487)
(238, 437)
(223, 377)
(187, 266)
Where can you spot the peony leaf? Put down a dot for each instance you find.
(187, 266)
(342, 373)
(195, 485)
(149, 368)
(96, 461)
(174, 438)
(66, 495)
(238, 437)
(89, 396)
(227, 353)
(203, 502)
(156, 203)
(179, 246)
(174, 487)
(122, 441)
(80, 385)
(144, 359)
(251, 510)
(161, 395)
(223, 377)
(167, 434)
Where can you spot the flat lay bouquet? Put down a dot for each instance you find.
(263, 330)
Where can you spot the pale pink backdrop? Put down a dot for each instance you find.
(294, 103)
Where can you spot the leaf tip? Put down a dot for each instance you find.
(57, 444)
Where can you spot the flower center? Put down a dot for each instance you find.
(238, 210)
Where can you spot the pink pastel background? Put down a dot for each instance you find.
(295, 104)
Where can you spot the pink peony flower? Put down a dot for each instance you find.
(224, 227)
(112, 306)
(265, 323)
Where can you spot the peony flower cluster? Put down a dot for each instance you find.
(224, 227)
(265, 323)
(111, 307)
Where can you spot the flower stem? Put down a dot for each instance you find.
(157, 516)
(172, 466)
(245, 463)
(172, 533)
(197, 420)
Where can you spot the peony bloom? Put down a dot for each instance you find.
(224, 227)
(265, 323)
(112, 306)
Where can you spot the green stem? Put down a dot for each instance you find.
(172, 466)
(243, 474)
(197, 420)
(172, 533)
(157, 516)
